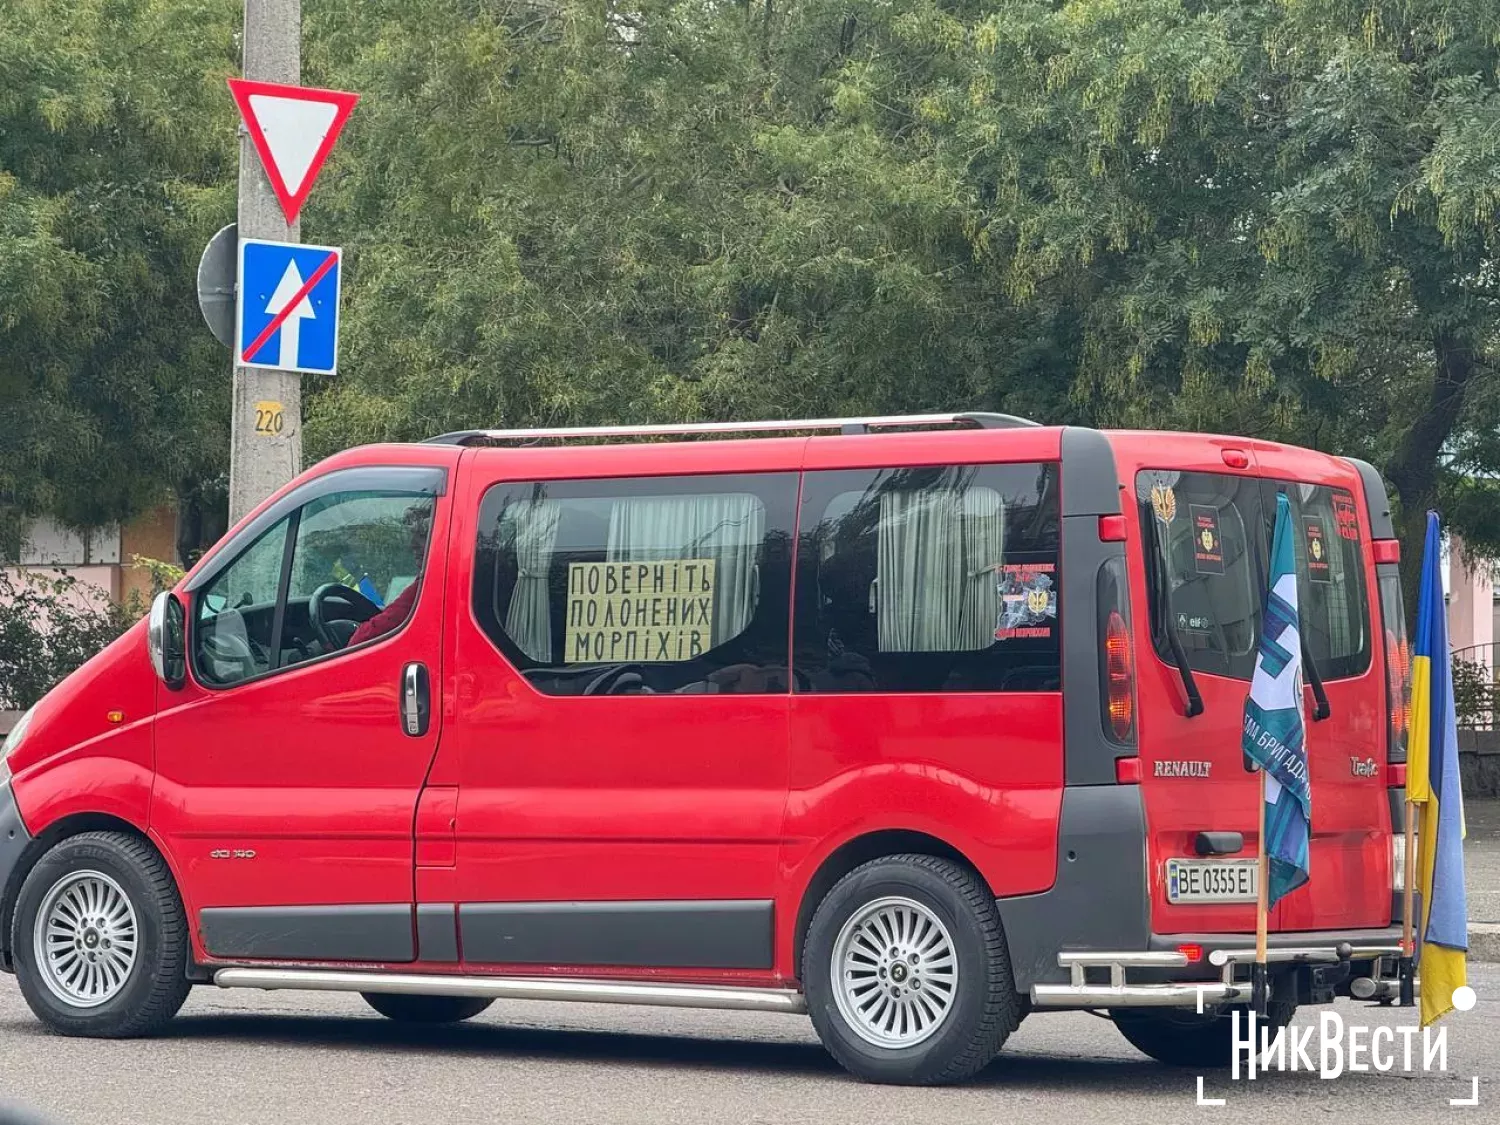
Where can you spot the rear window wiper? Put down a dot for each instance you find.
(1321, 709)
(1167, 621)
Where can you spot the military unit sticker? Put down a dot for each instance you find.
(1164, 502)
(1208, 543)
(1028, 601)
(1318, 568)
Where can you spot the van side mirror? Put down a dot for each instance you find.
(165, 640)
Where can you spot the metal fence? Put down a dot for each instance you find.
(1476, 690)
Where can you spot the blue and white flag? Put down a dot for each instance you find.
(1273, 720)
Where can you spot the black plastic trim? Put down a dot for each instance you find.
(1090, 480)
(437, 932)
(1098, 900)
(716, 934)
(14, 840)
(377, 932)
(1218, 843)
(1090, 489)
(420, 480)
(1377, 501)
(1280, 939)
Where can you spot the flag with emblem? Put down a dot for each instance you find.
(1273, 737)
(1432, 783)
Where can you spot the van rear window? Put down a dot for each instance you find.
(1202, 566)
(1207, 538)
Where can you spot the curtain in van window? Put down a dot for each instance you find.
(935, 586)
(529, 619)
(727, 528)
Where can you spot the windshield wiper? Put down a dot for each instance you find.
(1321, 709)
(1168, 621)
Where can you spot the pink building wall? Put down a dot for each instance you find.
(1471, 604)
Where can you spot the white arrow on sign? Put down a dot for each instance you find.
(291, 327)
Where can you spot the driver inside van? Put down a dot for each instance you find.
(418, 520)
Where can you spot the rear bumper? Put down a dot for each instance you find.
(1313, 967)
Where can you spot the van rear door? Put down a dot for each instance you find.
(1202, 559)
(1350, 851)
(1205, 537)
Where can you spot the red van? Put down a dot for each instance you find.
(918, 725)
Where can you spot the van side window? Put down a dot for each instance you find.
(235, 613)
(1330, 577)
(930, 579)
(1207, 532)
(352, 576)
(640, 585)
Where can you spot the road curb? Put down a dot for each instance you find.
(1484, 941)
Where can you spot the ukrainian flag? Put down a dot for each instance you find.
(1432, 782)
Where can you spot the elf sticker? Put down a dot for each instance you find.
(1208, 544)
(1028, 601)
(1345, 516)
(1317, 549)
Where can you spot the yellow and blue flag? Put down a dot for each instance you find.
(1432, 781)
(1273, 738)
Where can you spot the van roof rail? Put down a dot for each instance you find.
(973, 419)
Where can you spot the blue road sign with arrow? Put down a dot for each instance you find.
(287, 312)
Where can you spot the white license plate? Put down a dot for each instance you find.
(1211, 880)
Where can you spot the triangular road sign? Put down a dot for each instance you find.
(293, 128)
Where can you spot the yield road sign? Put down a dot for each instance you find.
(287, 312)
(293, 128)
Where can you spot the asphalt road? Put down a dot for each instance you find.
(244, 1057)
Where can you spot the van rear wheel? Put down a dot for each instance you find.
(906, 972)
(1184, 1038)
(100, 939)
(404, 1008)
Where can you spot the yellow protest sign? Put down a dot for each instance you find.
(639, 612)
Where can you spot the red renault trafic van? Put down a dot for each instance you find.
(918, 725)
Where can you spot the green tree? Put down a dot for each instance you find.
(116, 163)
(1275, 217)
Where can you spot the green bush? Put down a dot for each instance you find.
(1473, 694)
(49, 625)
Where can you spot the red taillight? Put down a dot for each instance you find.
(1128, 771)
(1387, 550)
(1398, 686)
(1395, 775)
(1111, 529)
(1236, 458)
(1191, 950)
(1119, 672)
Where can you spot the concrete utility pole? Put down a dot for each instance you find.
(261, 462)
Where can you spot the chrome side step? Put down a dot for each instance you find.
(520, 988)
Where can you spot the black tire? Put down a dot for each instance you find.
(156, 984)
(1184, 1038)
(426, 1009)
(984, 1009)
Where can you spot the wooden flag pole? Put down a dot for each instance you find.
(1408, 996)
(1258, 997)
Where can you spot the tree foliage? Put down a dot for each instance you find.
(116, 145)
(1274, 218)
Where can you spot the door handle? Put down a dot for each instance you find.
(416, 700)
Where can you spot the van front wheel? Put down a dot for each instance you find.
(906, 972)
(100, 939)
